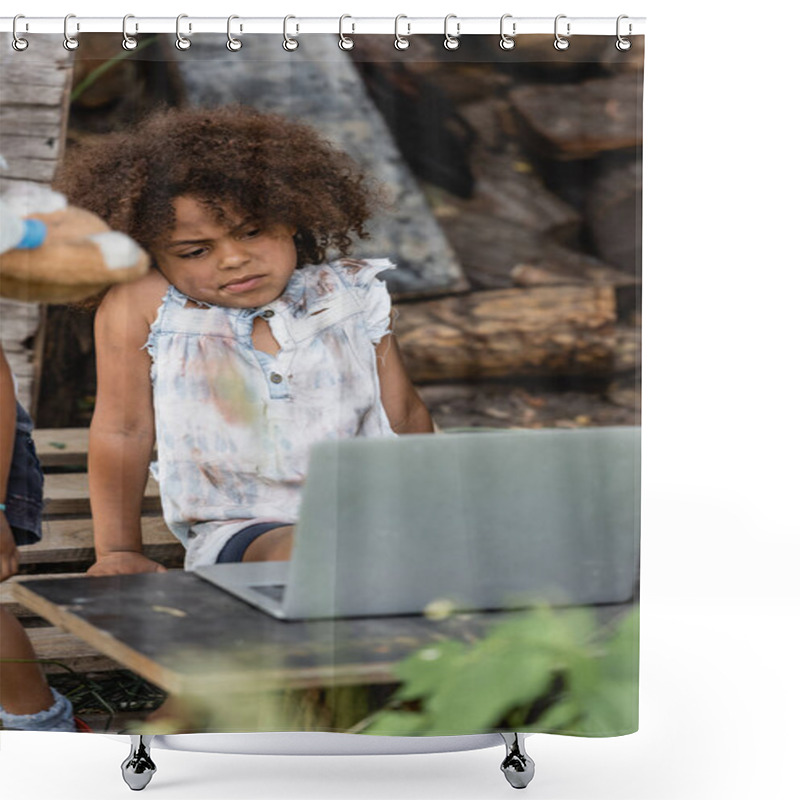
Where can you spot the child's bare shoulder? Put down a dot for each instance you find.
(141, 297)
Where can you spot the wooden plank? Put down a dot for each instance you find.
(62, 446)
(27, 146)
(69, 650)
(31, 169)
(13, 121)
(20, 94)
(51, 71)
(71, 541)
(69, 494)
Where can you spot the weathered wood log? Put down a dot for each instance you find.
(509, 219)
(557, 265)
(548, 332)
(461, 80)
(504, 405)
(614, 213)
(534, 55)
(565, 121)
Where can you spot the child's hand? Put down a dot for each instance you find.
(125, 562)
(9, 558)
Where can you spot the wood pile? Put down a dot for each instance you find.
(531, 161)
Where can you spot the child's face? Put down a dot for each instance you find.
(244, 264)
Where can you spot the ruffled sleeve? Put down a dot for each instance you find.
(362, 276)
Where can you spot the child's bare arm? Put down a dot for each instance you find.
(122, 432)
(405, 409)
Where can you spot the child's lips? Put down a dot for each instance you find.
(243, 284)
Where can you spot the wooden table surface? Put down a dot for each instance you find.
(186, 635)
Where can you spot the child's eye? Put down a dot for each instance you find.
(252, 233)
(193, 253)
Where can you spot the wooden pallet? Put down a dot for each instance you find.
(67, 546)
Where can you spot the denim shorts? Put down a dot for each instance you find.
(24, 492)
(233, 551)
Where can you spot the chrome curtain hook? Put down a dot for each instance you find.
(233, 44)
(401, 42)
(345, 42)
(290, 43)
(128, 42)
(18, 43)
(507, 40)
(181, 42)
(623, 44)
(560, 42)
(451, 42)
(70, 42)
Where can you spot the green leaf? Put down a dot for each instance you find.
(428, 669)
(397, 723)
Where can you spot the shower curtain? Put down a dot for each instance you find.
(491, 201)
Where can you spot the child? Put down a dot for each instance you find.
(243, 347)
(49, 252)
(26, 701)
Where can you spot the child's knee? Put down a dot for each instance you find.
(274, 545)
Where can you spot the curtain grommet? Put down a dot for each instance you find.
(233, 44)
(401, 42)
(290, 43)
(451, 42)
(128, 42)
(70, 42)
(507, 39)
(561, 43)
(346, 42)
(181, 42)
(623, 44)
(18, 43)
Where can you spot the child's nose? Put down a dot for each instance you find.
(233, 254)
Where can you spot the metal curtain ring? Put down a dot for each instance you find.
(233, 44)
(290, 43)
(18, 43)
(345, 42)
(507, 41)
(70, 42)
(560, 42)
(623, 44)
(451, 42)
(128, 42)
(181, 42)
(401, 42)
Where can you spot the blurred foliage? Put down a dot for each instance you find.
(542, 671)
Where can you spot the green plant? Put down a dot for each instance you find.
(545, 670)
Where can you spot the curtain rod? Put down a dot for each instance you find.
(348, 25)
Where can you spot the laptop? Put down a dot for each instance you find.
(467, 521)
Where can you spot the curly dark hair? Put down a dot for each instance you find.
(262, 166)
